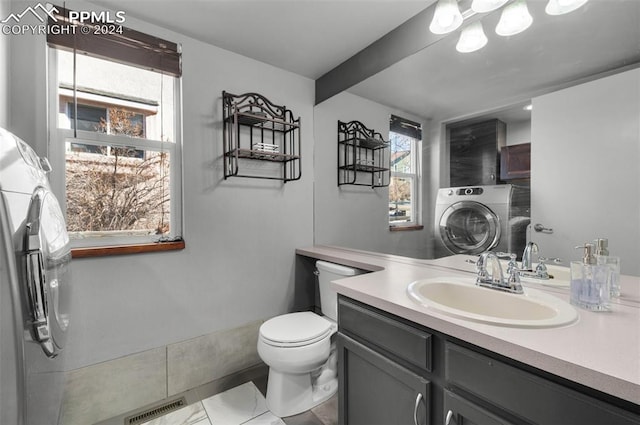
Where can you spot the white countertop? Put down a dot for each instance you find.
(600, 350)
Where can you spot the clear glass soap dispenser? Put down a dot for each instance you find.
(603, 257)
(590, 282)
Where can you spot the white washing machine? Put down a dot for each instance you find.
(475, 219)
(34, 288)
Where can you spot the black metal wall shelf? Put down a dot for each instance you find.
(363, 156)
(257, 129)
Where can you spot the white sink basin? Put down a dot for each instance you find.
(461, 298)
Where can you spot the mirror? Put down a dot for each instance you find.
(556, 52)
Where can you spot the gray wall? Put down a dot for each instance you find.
(238, 265)
(585, 179)
(4, 68)
(357, 216)
(28, 100)
(518, 132)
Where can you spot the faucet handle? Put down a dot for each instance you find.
(541, 268)
(512, 264)
(514, 280)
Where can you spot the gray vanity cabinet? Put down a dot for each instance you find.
(516, 393)
(383, 370)
(392, 371)
(379, 391)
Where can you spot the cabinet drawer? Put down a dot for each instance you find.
(405, 342)
(458, 411)
(526, 395)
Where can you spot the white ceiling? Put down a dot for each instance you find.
(307, 37)
(554, 52)
(311, 37)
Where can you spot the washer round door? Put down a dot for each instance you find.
(47, 262)
(469, 227)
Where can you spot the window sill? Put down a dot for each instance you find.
(102, 251)
(403, 228)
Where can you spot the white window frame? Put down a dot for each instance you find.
(58, 138)
(415, 177)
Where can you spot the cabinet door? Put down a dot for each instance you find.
(459, 411)
(515, 162)
(377, 391)
(474, 153)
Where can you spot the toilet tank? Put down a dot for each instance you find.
(328, 272)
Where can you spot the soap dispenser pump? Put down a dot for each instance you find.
(590, 282)
(602, 246)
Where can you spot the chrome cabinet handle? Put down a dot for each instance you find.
(447, 421)
(415, 409)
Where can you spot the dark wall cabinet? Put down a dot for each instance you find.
(515, 162)
(394, 372)
(474, 152)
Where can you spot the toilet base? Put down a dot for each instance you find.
(290, 394)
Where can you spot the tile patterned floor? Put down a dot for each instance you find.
(245, 405)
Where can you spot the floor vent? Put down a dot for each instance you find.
(155, 412)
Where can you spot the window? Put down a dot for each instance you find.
(115, 131)
(405, 137)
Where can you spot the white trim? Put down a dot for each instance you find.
(97, 138)
(106, 100)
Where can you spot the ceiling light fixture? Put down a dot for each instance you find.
(484, 6)
(560, 7)
(515, 18)
(447, 17)
(472, 38)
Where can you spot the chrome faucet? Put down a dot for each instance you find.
(496, 279)
(527, 264)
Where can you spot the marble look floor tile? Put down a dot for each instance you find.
(266, 418)
(327, 412)
(193, 414)
(235, 406)
(304, 418)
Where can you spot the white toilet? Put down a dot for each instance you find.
(298, 350)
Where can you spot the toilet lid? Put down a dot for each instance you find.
(295, 329)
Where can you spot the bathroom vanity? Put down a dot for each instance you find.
(400, 362)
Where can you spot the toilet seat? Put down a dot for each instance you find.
(296, 329)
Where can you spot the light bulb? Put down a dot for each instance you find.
(515, 18)
(472, 38)
(483, 6)
(446, 18)
(560, 7)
